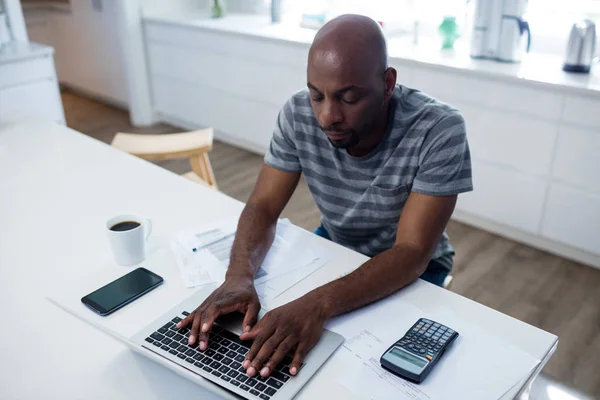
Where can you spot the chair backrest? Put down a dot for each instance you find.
(193, 145)
(165, 146)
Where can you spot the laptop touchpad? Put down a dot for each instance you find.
(231, 322)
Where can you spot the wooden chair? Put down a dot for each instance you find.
(192, 145)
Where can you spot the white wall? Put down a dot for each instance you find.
(88, 54)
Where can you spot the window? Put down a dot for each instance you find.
(550, 20)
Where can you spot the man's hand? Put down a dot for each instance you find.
(295, 326)
(237, 293)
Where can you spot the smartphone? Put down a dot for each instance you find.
(122, 291)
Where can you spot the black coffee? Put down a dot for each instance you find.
(125, 226)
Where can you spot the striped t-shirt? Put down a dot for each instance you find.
(424, 150)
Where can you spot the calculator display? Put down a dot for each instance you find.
(406, 356)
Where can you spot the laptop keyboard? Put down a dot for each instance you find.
(223, 358)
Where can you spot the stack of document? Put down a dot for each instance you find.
(203, 253)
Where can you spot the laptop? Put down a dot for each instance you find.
(219, 367)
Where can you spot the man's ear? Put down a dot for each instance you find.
(389, 79)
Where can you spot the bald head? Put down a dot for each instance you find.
(352, 38)
(349, 81)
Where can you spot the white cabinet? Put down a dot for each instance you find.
(245, 123)
(578, 158)
(582, 111)
(28, 83)
(235, 85)
(17, 73)
(506, 197)
(452, 87)
(572, 216)
(235, 76)
(515, 141)
(36, 98)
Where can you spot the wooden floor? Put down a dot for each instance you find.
(552, 293)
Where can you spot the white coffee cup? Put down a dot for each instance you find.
(128, 241)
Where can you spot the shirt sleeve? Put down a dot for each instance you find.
(445, 159)
(282, 153)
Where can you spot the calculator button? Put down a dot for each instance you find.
(450, 331)
(422, 351)
(411, 346)
(429, 357)
(436, 325)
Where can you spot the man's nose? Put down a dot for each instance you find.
(331, 114)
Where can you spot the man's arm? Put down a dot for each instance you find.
(299, 324)
(421, 224)
(256, 227)
(254, 236)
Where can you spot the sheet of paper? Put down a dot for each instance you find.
(477, 366)
(367, 378)
(187, 262)
(270, 290)
(203, 255)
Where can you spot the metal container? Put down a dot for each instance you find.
(581, 47)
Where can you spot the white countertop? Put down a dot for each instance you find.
(17, 51)
(536, 69)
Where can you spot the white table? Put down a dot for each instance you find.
(57, 188)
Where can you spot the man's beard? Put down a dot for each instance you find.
(352, 141)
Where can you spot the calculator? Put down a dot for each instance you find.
(414, 355)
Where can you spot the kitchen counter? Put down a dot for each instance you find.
(18, 51)
(536, 70)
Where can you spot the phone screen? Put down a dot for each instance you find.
(122, 291)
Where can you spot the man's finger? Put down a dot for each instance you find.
(259, 340)
(186, 321)
(195, 326)
(263, 355)
(203, 340)
(251, 315)
(299, 356)
(282, 350)
(254, 331)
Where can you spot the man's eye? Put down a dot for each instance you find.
(352, 100)
(317, 99)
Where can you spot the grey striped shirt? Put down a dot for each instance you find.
(425, 150)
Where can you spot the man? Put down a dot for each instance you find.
(384, 164)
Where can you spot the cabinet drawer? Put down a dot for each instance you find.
(497, 95)
(40, 99)
(577, 158)
(506, 197)
(25, 71)
(231, 74)
(509, 139)
(582, 111)
(572, 216)
(201, 41)
(250, 122)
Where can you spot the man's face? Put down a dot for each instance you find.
(347, 98)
